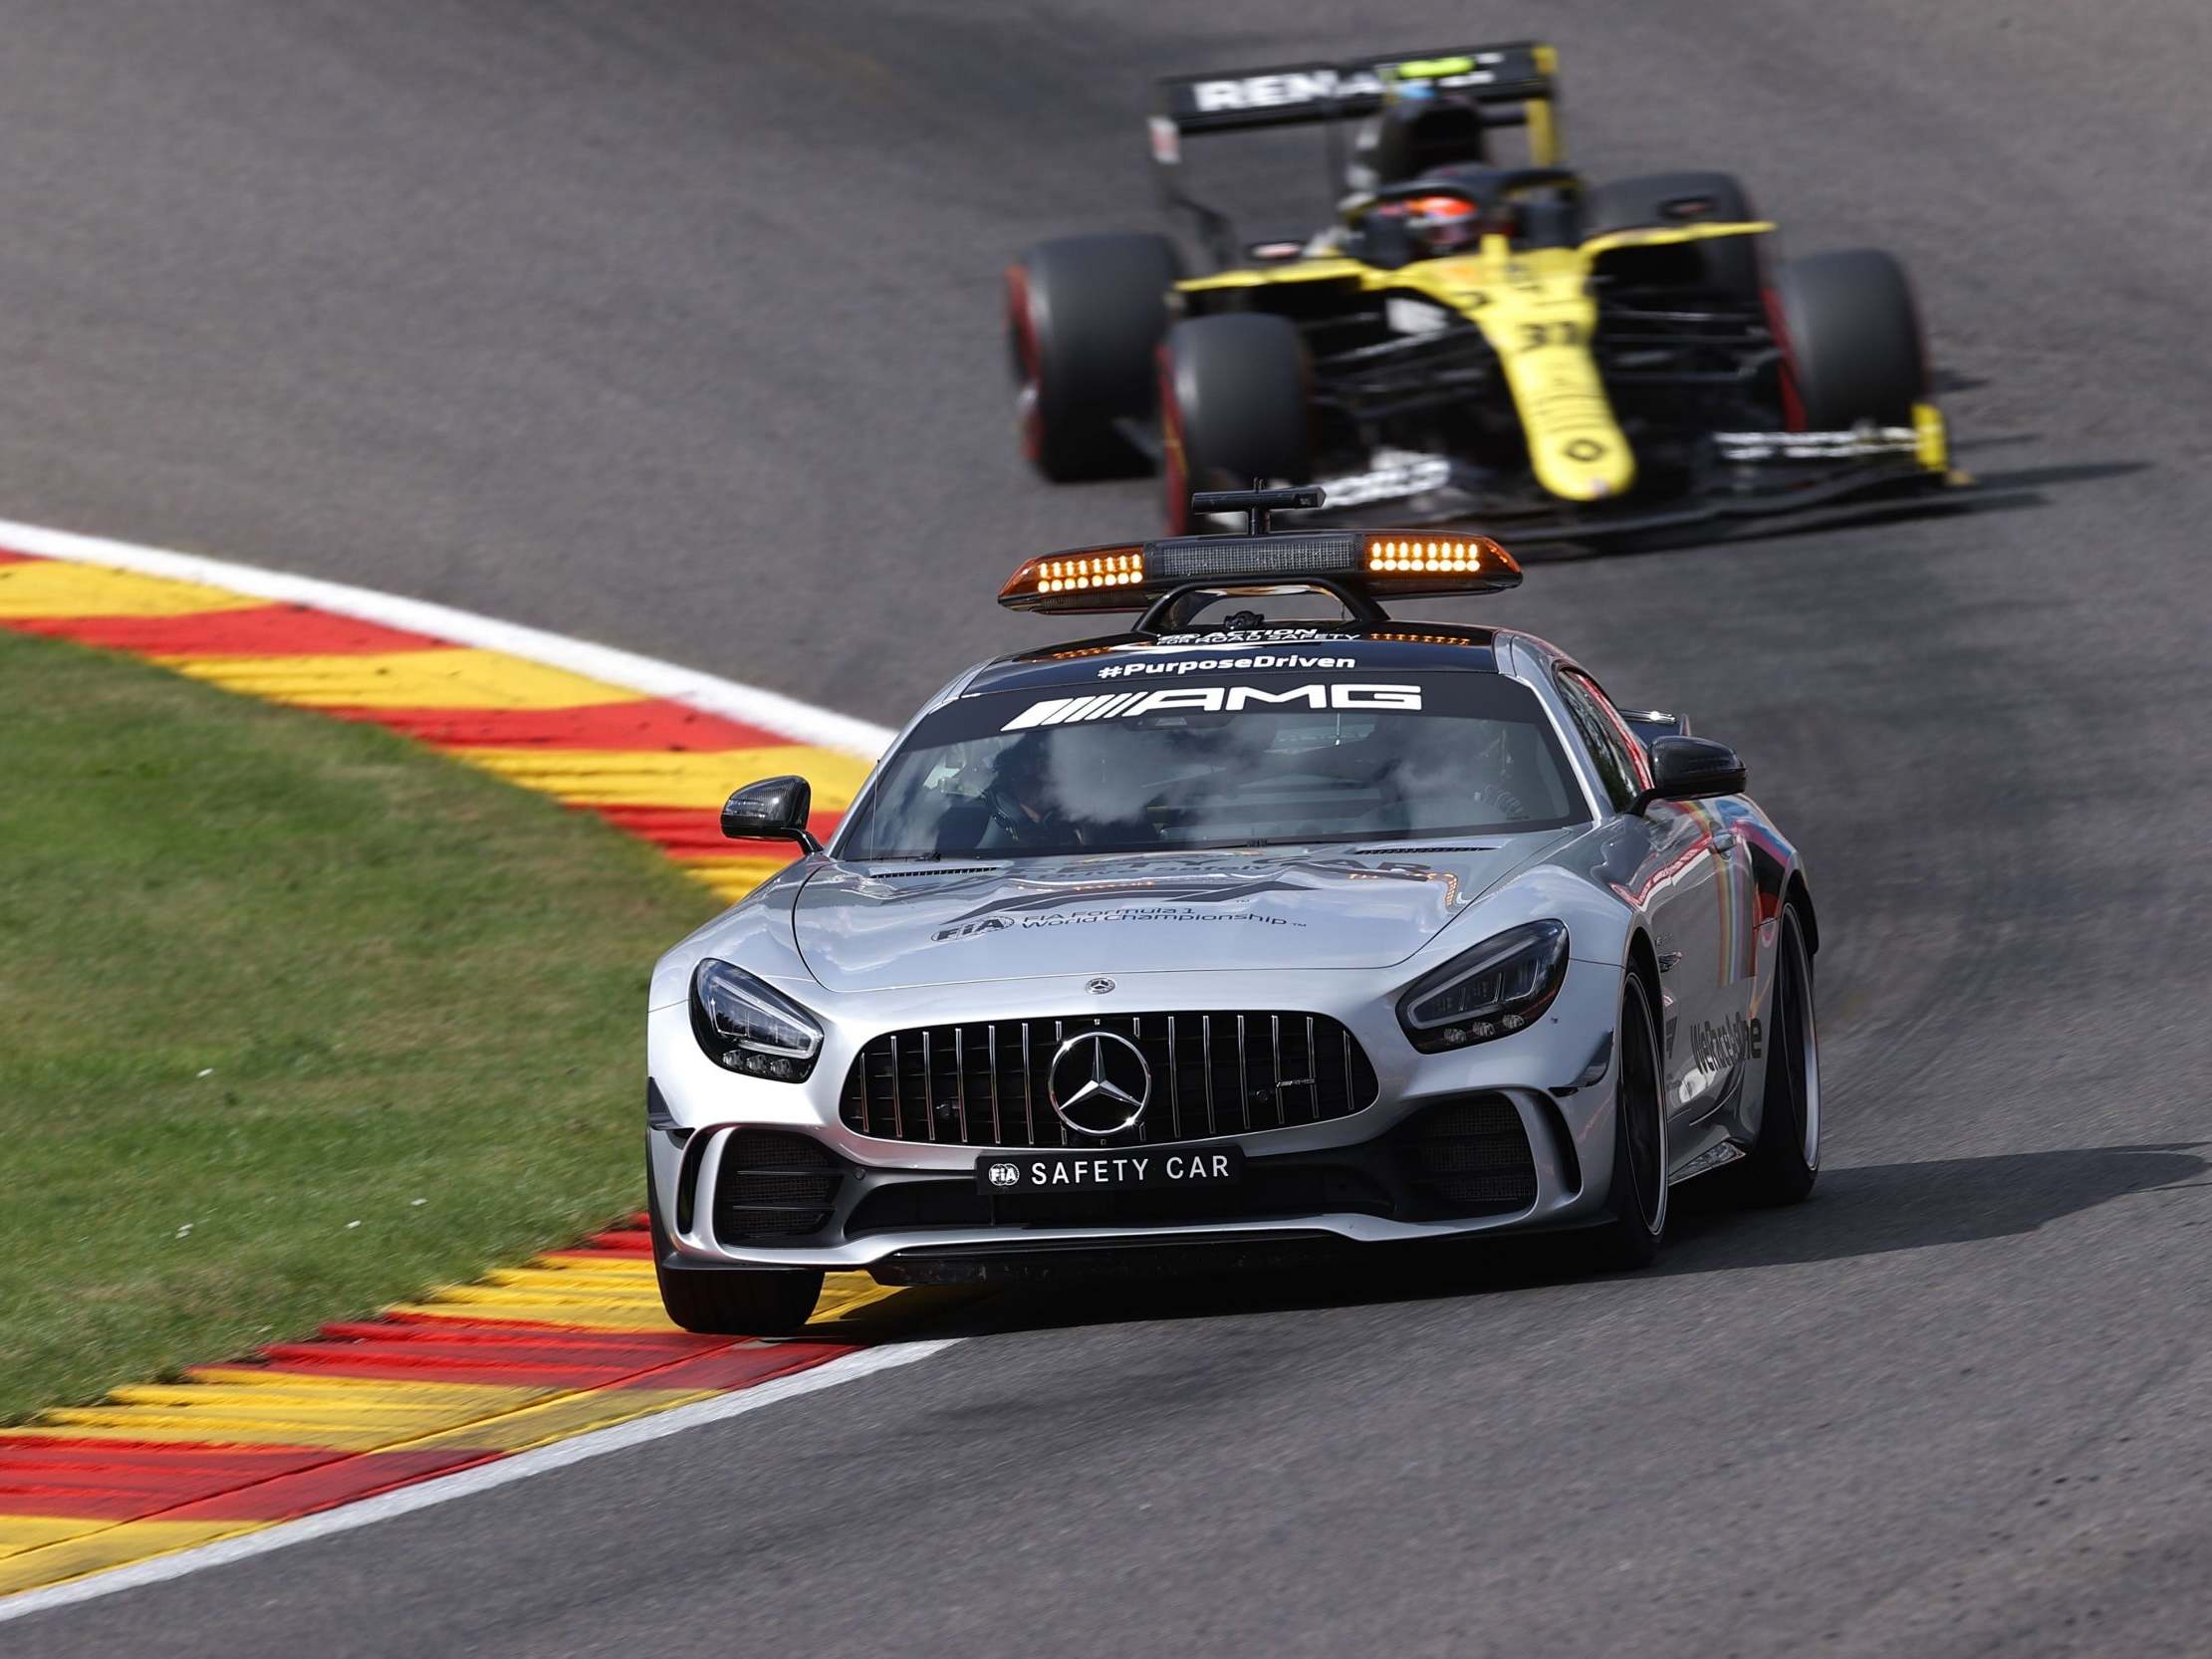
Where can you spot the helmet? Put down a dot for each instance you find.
(1433, 224)
(1442, 225)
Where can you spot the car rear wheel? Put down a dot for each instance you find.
(1084, 316)
(1235, 399)
(714, 1302)
(1851, 339)
(1785, 1161)
(1638, 1196)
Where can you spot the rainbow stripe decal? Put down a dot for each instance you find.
(573, 1341)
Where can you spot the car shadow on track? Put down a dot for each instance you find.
(1867, 1210)
(1990, 493)
(1873, 1209)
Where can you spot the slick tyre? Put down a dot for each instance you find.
(1851, 339)
(1236, 393)
(1725, 265)
(728, 1302)
(1084, 316)
(1637, 1195)
(1785, 1161)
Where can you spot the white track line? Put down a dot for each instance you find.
(467, 1483)
(801, 722)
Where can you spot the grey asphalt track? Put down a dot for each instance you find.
(676, 326)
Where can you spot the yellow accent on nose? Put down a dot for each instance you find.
(1575, 447)
(1538, 315)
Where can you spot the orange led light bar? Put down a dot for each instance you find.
(1068, 575)
(1399, 553)
(1358, 565)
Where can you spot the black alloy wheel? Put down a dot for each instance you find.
(1637, 1195)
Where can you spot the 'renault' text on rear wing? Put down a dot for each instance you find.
(1515, 83)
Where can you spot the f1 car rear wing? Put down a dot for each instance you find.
(1514, 84)
(1517, 78)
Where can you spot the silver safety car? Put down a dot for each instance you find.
(1225, 940)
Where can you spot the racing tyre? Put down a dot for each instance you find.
(1235, 393)
(1853, 337)
(1727, 264)
(729, 1303)
(1637, 1195)
(1785, 1159)
(1084, 315)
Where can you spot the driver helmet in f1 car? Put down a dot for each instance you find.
(1438, 224)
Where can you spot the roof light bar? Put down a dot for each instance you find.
(1370, 563)
(1401, 555)
(1172, 578)
(1109, 577)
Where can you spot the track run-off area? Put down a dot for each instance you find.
(675, 327)
(473, 1384)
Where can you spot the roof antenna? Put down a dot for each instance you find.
(1257, 504)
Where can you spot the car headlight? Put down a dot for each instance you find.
(745, 1026)
(1500, 987)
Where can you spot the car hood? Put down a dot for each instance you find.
(1307, 907)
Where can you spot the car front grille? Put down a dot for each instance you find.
(1213, 1073)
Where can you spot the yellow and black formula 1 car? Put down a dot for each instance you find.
(1567, 360)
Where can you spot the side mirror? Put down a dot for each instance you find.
(1692, 769)
(773, 809)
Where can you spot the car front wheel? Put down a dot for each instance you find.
(1638, 1196)
(1785, 1161)
(722, 1301)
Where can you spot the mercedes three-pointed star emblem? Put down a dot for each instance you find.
(1099, 1082)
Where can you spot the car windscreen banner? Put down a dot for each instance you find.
(1202, 686)
(1209, 748)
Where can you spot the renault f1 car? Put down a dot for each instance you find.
(1560, 358)
(1207, 941)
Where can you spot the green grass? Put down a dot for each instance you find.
(296, 1020)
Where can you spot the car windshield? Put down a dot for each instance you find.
(1263, 758)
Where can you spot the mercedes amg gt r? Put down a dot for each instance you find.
(1209, 940)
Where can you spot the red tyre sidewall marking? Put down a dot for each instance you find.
(1174, 466)
(1022, 325)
